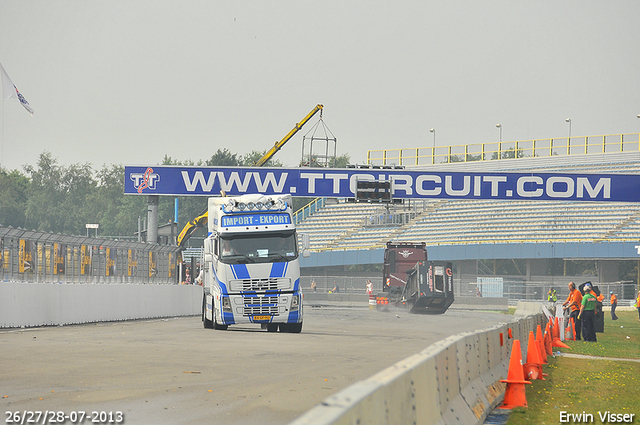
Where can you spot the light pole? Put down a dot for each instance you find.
(500, 127)
(569, 121)
(433, 151)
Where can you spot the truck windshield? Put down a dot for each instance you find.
(258, 248)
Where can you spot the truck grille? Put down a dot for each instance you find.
(264, 284)
(254, 306)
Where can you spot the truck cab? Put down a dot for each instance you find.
(429, 288)
(252, 270)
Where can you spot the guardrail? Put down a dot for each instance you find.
(31, 256)
(454, 381)
(558, 146)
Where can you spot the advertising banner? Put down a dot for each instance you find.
(25, 256)
(85, 260)
(406, 184)
(59, 258)
(153, 269)
(111, 262)
(132, 259)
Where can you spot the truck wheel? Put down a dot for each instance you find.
(208, 324)
(216, 325)
(294, 328)
(272, 327)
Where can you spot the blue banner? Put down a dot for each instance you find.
(406, 184)
(254, 219)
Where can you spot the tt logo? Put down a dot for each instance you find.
(145, 180)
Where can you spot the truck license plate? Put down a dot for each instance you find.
(261, 317)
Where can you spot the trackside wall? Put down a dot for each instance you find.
(454, 381)
(38, 304)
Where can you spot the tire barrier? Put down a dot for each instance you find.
(454, 381)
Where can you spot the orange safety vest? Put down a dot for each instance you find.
(614, 299)
(575, 300)
(600, 297)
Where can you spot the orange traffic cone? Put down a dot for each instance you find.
(541, 349)
(557, 343)
(570, 331)
(547, 341)
(533, 366)
(555, 340)
(515, 394)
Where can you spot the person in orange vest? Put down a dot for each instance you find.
(614, 303)
(573, 303)
(588, 314)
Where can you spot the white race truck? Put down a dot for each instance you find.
(251, 265)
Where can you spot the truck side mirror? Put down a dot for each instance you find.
(306, 245)
(209, 245)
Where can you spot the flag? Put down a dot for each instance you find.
(9, 90)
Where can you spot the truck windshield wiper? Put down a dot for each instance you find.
(238, 258)
(277, 254)
(245, 258)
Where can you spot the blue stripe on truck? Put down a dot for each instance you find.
(278, 269)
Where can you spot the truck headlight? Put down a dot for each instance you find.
(295, 302)
(226, 304)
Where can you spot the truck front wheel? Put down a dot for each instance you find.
(294, 328)
(208, 324)
(218, 326)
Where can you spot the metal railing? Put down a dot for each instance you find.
(537, 148)
(512, 289)
(31, 256)
(307, 210)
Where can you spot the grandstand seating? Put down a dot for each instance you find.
(351, 227)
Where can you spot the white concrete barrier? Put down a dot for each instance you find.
(38, 304)
(454, 381)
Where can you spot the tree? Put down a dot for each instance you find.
(343, 160)
(116, 212)
(251, 158)
(224, 158)
(14, 189)
(43, 205)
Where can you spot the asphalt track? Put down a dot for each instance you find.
(172, 371)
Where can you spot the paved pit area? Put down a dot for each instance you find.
(172, 371)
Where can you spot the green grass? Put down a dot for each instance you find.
(583, 385)
(613, 342)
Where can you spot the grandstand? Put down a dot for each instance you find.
(573, 229)
(346, 226)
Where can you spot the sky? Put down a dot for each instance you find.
(128, 82)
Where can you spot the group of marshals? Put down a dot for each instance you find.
(583, 311)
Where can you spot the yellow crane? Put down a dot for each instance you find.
(203, 218)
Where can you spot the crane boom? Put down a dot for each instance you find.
(203, 218)
(278, 145)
